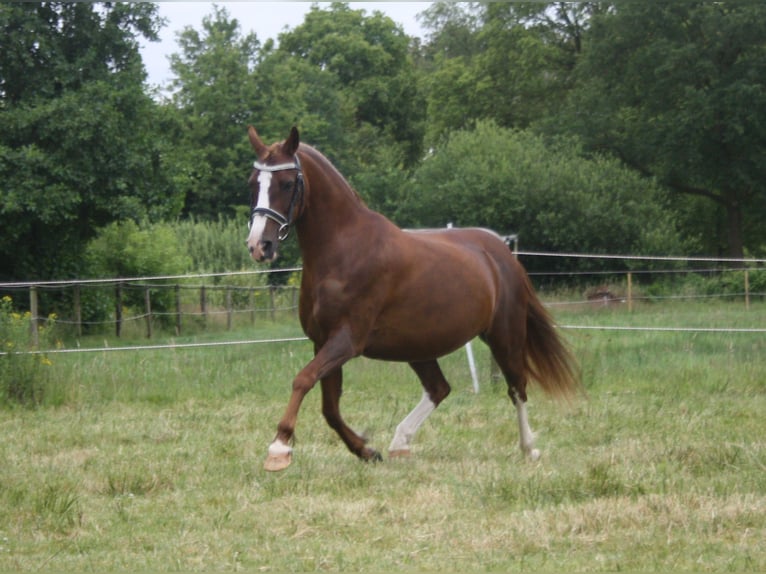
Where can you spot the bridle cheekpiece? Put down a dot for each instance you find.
(284, 222)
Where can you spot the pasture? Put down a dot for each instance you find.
(153, 460)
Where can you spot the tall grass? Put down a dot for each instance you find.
(215, 246)
(153, 460)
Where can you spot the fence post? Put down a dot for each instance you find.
(203, 305)
(148, 307)
(630, 292)
(747, 290)
(33, 312)
(272, 291)
(77, 310)
(178, 310)
(251, 304)
(118, 309)
(228, 308)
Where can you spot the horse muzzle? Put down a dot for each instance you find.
(262, 250)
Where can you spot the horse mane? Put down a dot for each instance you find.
(331, 171)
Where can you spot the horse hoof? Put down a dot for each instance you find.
(534, 455)
(277, 462)
(372, 456)
(399, 453)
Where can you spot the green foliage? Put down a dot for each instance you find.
(24, 378)
(549, 193)
(214, 90)
(676, 90)
(214, 246)
(78, 146)
(127, 250)
(368, 56)
(508, 62)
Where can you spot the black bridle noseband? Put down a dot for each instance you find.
(283, 222)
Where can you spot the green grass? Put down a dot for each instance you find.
(152, 460)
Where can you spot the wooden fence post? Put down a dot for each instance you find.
(630, 292)
(148, 307)
(228, 308)
(747, 290)
(178, 310)
(33, 313)
(77, 310)
(272, 293)
(118, 309)
(203, 305)
(251, 304)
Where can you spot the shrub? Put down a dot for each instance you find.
(125, 249)
(548, 192)
(24, 377)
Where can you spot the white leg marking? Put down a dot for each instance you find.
(526, 436)
(411, 423)
(278, 447)
(258, 224)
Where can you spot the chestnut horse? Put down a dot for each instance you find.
(372, 289)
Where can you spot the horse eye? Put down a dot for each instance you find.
(286, 186)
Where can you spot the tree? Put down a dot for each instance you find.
(508, 62)
(369, 58)
(216, 97)
(77, 142)
(676, 90)
(557, 200)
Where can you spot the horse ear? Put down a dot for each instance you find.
(292, 142)
(259, 147)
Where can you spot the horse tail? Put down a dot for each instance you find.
(547, 358)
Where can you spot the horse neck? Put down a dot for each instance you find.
(332, 205)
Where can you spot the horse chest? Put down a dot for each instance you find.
(328, 303)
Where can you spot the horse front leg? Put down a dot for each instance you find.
(331, 356)
(332, 389)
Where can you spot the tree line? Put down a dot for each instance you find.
(592, 126)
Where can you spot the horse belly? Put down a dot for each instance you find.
(427, 328)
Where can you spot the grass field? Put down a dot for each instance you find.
(152, 460)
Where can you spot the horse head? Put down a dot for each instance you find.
(276, 194)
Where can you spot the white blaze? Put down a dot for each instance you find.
(258, 223)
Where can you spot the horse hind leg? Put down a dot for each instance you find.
(511, 362)
(435, 390)
(526, 436)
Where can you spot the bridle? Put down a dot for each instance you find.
(284, 222)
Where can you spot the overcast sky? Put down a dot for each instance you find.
(266, 19)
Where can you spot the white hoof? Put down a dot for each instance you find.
(534, 455)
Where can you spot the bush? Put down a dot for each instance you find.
(24, 378)
(548, 192)
(125, 249)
